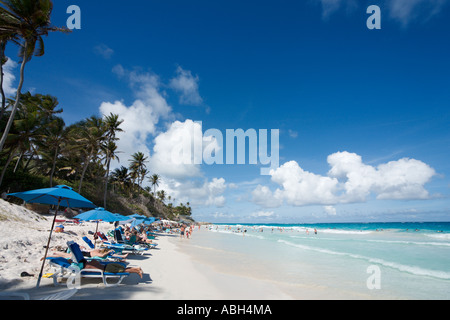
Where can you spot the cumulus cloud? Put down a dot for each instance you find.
(141, 116)
(178, 152)
(264, 197)
(9, 77)
(402, 179)
(199, 192)
(187, 86)
(349, 180)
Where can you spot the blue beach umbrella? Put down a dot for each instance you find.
(136, 216)
(145, 220)
(121, 217)
(99, 214)
(61, 196)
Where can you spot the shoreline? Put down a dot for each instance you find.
(214, 265)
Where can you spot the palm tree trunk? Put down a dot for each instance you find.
(29, 160)
(108, 161)
(10, 157)
(16, 103)
(53, 167)
(84, 171)
(18, 161)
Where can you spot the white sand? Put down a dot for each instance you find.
(169, 274)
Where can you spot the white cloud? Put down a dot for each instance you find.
(187, 86)
(179, 151)
(262, 214)
(331, 6)
(330, 210)
(263, 196)
(349, 180)
(199, 192)
(401, 179)
(104, 51)
(9, 77)
(301, 187)
(173, 152)
(406, 11)
(142, 116)
(293, 133)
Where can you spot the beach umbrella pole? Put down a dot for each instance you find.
(48, 244)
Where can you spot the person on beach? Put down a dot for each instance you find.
(182, 231)
(142, 237)
(100, 253)
(112, 267)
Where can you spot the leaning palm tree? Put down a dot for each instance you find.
(110, 150)
(25, 22)
(112, 126)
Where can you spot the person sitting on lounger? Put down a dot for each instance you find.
(101, 253)
(112, 267)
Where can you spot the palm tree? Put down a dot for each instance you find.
(112, 126)
(121, 177)
(162, 195)
(91, 134)
(138, 166)
(26, 128)
(110, 150)
(25, 22)
(54, 138)
(155, 179)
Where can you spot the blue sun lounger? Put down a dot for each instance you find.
(64, 268)
(109, 257)
(95, 273)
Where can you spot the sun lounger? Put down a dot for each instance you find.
(110, 255)
(95, 273)
(120, 247)
(64, 268)
(120, 240)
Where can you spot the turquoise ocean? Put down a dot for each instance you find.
(343, 260)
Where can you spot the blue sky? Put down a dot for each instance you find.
(363, 114)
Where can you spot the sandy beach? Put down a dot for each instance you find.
(170, 272)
